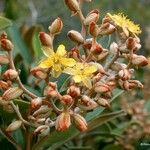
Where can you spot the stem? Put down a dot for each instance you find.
(10, 139)
(12, 66)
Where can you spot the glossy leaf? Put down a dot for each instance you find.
(4, 22)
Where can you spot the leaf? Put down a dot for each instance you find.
(112, 147)
(4, 23)
(55, 139)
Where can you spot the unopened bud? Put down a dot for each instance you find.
(87, 44)
(74, 53)
(92, 16)
(36, 103)
(39, 73)
(80, 122)
(63, 121)
(73, 5)
(107, 29)
(43, 130)
(3, 35)
(12, 93)
(10, 74)
(130, 43)
(93, 29)
(139, 60)
(56, 26)
(96, 49)
(102, 88)
(73, 91)
(42, 110)
(102, 55)
(14, 126)
(135, 84)
(66, 99)
(6, 44)
(4, 85)
(51, 90)
(45, 39)
(103, 102)
(124, 74)
(118, 66)
(75, 36)
(113, 48)
(3, 59)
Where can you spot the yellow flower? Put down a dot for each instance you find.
(126, 24)
(82, 72)
(56, 61)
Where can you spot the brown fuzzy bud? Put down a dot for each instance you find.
(4, 59)
(3, 35)
(124, 74)
(4, 85)
(73, 91)
(87, 44)
(102, 88)
(92, 16)
(51, 90)
(6, 44)
(45, 39)
(102, 55)
(14, 126)
(73, 5)
(36, 103)
(63, 121)
(130, 42)
(103, 102)
(66, 99)
(135, 84)
(12, 93)
(139, 60)
(118, 66)
(93, 29)
(113, 48)
(10, 74)
(107, 29)
(74, 53)
(56, 26)
(87, 103)
(42, 130)
(96, 49)
(80, 122)
(75, 36)
(39, 73)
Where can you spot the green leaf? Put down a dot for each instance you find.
(112, 147)
(4, 23)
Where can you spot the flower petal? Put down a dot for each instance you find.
(46, 63)
(68, 62)
(47, 51)
(90, 69)
(87, 82)
(69, 71)
(61, 50)
(56, 71)
(77, 78)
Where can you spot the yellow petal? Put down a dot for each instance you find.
(87, 82)
(57, 67)
(55, 73)
(90, 69)
(68, 62)
(47, 51)
(77, 78)
(69, 71)
(46, 63)
(61, 50)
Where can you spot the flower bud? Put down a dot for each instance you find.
(66, 99)
(124, 74)
(63, 121)
(6, 44)
(43, 130)
(56, 26)
(102, 55)
(130, 42)
(12, 93)
(73, 91)
(87, 103)
(73, 5)
(3, 35)
(101, 88)
(103, 102)
(118, 66)
(74, 53)
(107, 29)
(124, 84)
(14, 126)
(80, 122)
(87, 44)
(36, 103)
(96, 49)
(113, 48)
(139, 60)
(100, 68)
(45, 39)
(10, 74)
(93, 29)
(135, 84)
(92, 16)
(51, 90)
(4, 85)
(75, 36)
(3, 59)
(42, 110)
(39, 73)
(3, 102)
